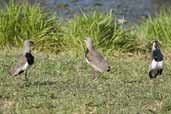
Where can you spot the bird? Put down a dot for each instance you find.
(157, 64)
(95, 59)
(25, 60)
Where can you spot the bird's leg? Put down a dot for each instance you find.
(160, 71)
(26, 78)
(94, 74)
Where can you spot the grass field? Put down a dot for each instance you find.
(62, 84)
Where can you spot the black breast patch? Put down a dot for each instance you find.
(30, 58)
(157, 55)
(86, 52)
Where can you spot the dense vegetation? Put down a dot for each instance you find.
(157, 28)
(22, 21)
(107, 33)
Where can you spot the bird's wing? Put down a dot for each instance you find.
(21, 60)
(96, 59)
(18, 68)
(154, 68)
(16, 71)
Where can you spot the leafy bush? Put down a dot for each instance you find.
(22, 21)
(104, 30)
(157, 28)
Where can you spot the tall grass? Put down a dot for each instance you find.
(22, 21)
(157, 28)
(104, 30)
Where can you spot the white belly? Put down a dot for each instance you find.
(156, 65)
(26, 66)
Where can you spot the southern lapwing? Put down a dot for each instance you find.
(95, 59)
(25, 61)
(156, 66)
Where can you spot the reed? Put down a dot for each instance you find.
(22, 21)
(157, 28)
(107, 33)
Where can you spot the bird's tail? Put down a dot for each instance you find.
(153, 73)
(11, 72)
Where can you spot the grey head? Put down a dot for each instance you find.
(27, 46)
(155, 45)
(89, 43)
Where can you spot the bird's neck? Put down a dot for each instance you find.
(90, 47)
(27, 50)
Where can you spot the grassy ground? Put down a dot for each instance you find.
(62, 84)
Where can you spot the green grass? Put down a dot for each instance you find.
(22, 21)
(62, 84)
(157, 28)
(104, 30)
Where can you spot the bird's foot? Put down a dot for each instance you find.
(94, 78)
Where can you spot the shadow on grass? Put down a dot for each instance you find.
(46, 82)
(38, 83)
